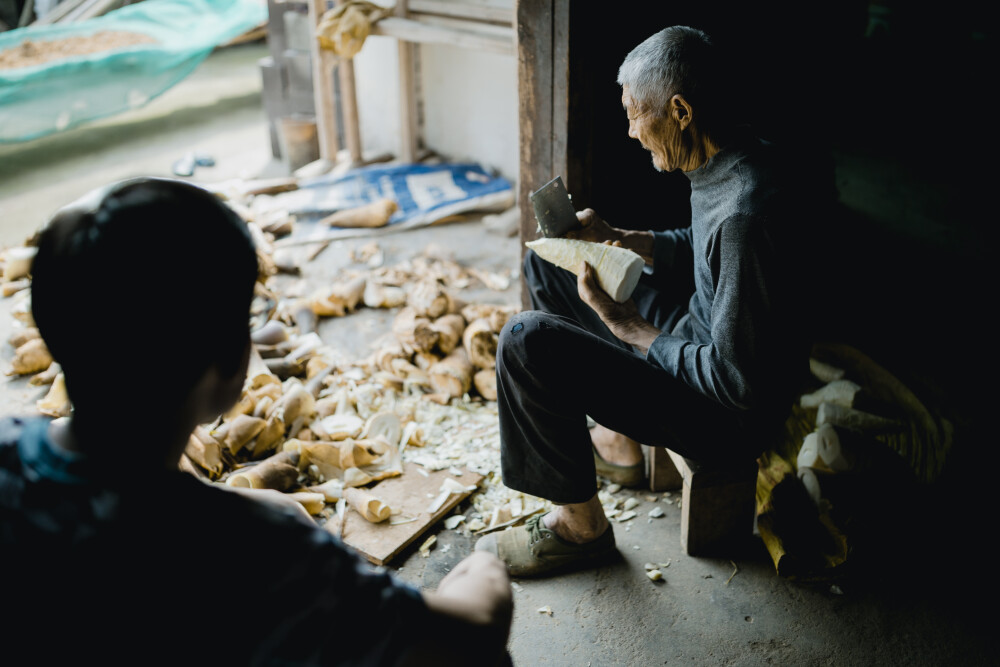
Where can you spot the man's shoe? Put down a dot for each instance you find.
(628, 476)
(532, 549)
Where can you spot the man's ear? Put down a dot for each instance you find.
(680, 110)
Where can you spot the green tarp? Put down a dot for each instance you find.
(61, 94)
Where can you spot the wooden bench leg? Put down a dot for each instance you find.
(717, 505)
(660, 470)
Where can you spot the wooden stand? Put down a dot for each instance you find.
(485, 25)
(717, 503)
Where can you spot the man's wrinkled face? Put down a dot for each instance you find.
(656, 131)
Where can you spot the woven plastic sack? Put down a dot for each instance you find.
(60, 94)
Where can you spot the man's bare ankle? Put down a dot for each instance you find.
(614, 447)
(587, 531)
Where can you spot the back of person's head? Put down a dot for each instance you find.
(138, 289)
(679, 60)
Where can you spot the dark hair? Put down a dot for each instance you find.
(139, 288)
(679, 60)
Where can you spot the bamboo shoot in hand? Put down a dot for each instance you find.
(618, 269)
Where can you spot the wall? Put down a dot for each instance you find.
(467, 101)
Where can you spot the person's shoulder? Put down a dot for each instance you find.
(12, 426)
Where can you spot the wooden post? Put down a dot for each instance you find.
(349, 108)
(407, 95)
(541, 50)
(322, 68)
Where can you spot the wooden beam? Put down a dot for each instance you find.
(499, 12)
(412, 30)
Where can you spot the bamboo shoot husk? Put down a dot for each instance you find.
(423, 360)
(275, 472)
(269, 438)
(428, 299)
(414, 331)
(384, 357)
(241, 430)
(339, 299)
(485, 382)
(47, 376)
(480, 341)
(31, 357)
(375, 214)
(500, 316)
(324, 455)
(378, 295)
(313, 502)
(258, 374)
(369, 506)
(22, 336)
(449, 328)
(332, 490)
(56, 401)
(206, 452)
(186, 465)
(453, 374)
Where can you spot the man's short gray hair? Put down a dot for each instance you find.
(676, 60)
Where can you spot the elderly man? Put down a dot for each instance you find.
(704, 357)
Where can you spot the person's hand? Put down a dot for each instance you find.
(275, 499)
(593, 228)
(473, 606)
(481, 581)
(623, 319)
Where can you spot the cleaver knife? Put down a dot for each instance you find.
(553, 209)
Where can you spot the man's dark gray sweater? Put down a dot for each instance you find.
(738, 342)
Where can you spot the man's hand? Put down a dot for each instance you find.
(623, 319)
(594, 229)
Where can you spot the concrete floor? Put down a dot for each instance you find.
(922, 601)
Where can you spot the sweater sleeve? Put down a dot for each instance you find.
(728, 367)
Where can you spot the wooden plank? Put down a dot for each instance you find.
(412, 494)
(534, 73)
(412, 30)
(504, 31)
(322, 69)
(491, 10)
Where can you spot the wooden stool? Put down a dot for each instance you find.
(718, 502)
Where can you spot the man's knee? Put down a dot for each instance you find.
(524, 335)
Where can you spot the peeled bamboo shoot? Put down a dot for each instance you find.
(618, 269)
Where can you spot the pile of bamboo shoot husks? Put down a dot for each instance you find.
(312, 426)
